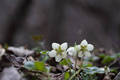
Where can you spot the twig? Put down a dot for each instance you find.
(77, 72)
(117, 77)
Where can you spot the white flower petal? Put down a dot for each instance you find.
(52, 53)
(101, 69)
(84, 43)
(80, 54)
(55, 46)
(78, 47)
(64, 54)
(87, 54)
(58, 58)
(71, 51)
(64, 46)
(90, 47)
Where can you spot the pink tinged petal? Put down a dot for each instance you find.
(80, 54)
(64, 46)
(87, 54)
(52, 53)
(90, 47)
(58, 58)
(84, 43)
(55, 46)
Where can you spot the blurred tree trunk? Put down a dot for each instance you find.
(16, 20)
(56, 18)
(60, 21)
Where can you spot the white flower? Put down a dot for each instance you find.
(52, 53)
(87, 54)
(90, 47)
(81, 50)
(55, 46)
(78, 47)
(80, 54)
(59, 51)
(85, 49)
(107, 69)
(58, 58)
(64, 54)
(64, 46)
(84, 43)
(72, 51)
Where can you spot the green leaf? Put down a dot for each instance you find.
(93, 58)
(107, 59)
(87, 65)
(114, 70)
(94, 70)
(118, 55)
(85, 76)
(44, 57)
(65, 62)
(66, 76)
(29, 65)
(40, 66)
(44, 52)
(102, 55)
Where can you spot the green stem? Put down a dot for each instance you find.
(77, 72)
(75, 64)
(76, 61)
(81, 61)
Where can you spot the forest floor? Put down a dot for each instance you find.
(20, 63)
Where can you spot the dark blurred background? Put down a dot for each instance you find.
(97, 21)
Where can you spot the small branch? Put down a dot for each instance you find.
(33, 71)
(117, 77)
(77, 72)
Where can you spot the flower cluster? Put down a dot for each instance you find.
(61, 51)
(82, 50)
